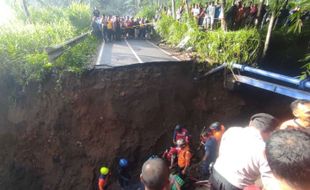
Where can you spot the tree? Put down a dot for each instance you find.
(275, 7)
(259, 15)
(223, 20)
(25, 8)
(173, 8)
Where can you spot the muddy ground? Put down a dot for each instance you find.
(57, 138)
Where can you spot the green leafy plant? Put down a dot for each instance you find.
(240, 46)
(22, 47)
(147, 12)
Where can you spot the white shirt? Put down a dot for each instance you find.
(196, 11)
(242, 158)
(211, 11)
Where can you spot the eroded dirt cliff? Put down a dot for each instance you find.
(53, 138)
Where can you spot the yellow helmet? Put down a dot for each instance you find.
(104, 170)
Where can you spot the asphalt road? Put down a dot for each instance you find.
(127, 52)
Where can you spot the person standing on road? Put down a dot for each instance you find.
(117, 28)
(104, 27)
(242, 157)
(110, 28)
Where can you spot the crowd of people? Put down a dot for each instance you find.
(240, 14)
(234, 158)
(114, 28)
(208, 16)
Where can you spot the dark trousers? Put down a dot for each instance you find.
(218, 182)
(105, 33)
(110, 33)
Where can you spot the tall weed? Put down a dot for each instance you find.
(22, 44)
(236, 46)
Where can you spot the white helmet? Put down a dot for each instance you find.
(180, 142)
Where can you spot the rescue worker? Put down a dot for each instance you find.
(210, 144)
(123, 174)
(171, 155)
(103, 178)
(218, 130)
(180, 133)
(184, 157)
(301, 112)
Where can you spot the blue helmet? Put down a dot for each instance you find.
(123, 162)
(178, 127)
(216, 126)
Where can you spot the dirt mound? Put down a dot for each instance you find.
(58, 138)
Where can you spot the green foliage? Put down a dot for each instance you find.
(240, 46)
(22, 48)
(162, 26)
(22, 45)
(77, 14)
(147, 12)
(78, 57)
(297, 25)
(177, 30)
(118, 7)
(306, 73)
(235, 46)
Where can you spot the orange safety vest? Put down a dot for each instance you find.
(102, 182)
(218, 134)
(184, 157)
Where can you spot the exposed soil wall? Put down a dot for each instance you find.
(57, 139)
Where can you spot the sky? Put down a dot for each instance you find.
(6, 13)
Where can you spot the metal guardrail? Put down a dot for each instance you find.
(274, 82)
(56, 51)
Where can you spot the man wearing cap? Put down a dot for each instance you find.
(242, 158)
(301, 111)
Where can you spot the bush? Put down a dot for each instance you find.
(79, 57)
(22, 48)
(236, 46)
(240, 46)
(147, 12)
(77, 14)
(22, 45)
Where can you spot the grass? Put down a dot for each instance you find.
(242, 46)
(22, 44)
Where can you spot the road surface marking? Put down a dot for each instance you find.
(100, 54)
(137, 57)
(164, 51)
